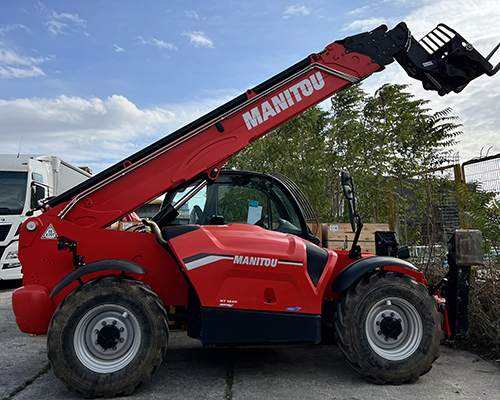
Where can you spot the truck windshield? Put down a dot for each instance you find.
(12, 192)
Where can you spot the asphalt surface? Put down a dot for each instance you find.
(269, 372)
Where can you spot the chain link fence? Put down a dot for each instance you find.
(484, 173)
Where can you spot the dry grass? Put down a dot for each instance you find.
(483, 336)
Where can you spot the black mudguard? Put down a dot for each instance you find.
(97, 266)
(360, 267)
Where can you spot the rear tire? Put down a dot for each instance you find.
(107, 337)
(388, 328)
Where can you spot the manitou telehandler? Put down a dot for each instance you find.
(231, 247)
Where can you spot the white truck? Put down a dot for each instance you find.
(26, 180)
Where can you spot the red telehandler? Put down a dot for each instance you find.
(247, 274)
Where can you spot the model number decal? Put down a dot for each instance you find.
(227, 303)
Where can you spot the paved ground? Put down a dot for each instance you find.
(271, 372)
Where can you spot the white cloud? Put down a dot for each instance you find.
(116, 116)
(12, 72)
(163, 45)
(56, 27)
(358, 11)
(8, 56)
(191, 14)
(119, 49)
(39, 6)
(198, 39)
(296, 10)
(11, 27)
(158, 43)
(13, 65)
(72, 17)
(364, 24)
(92, 130)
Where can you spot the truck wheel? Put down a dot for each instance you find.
(107, 337)
(388, 327)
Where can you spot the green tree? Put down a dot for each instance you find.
(372, 137)
(294, 149)
(344, 144)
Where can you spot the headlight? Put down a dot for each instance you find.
(10, 266)
(11, 255)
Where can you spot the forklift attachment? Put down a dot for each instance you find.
(442, 60)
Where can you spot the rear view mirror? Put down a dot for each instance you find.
(37, 195)
(347, 185)
(354, 218)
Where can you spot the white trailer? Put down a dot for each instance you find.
(25, 183)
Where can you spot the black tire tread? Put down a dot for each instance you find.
(364, 363)
(90, 289)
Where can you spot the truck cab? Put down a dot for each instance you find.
(25, 182)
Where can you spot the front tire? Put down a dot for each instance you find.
(388, 328)
(107, 337)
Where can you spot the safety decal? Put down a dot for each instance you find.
(50, 233)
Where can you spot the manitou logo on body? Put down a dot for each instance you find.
(249, 260)
(283, 100)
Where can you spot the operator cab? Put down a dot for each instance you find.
(268, 200)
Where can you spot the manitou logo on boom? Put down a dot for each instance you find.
(249, 260)
(283, 100)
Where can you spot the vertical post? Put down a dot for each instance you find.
(390, 206)
(460, 189)
(465, 250)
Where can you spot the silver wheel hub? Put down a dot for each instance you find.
(394, 328)
(107, 338)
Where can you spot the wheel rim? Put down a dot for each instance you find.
(107, 338)
(394, 328)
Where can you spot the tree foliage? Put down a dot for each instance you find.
(389, 134)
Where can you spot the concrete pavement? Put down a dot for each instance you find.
(269, 372)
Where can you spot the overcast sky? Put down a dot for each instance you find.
(95, 81)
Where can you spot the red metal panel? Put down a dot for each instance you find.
(163, 274)
(248, 267)
(33, 309)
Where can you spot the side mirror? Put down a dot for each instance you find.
(347, 186)
(37, 195)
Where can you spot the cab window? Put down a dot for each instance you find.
(239, 199)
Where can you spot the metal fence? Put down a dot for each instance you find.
(424, 209)
(483, 172)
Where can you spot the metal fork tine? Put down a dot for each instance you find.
(495, 70)
(493, 52)
(497, 67)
